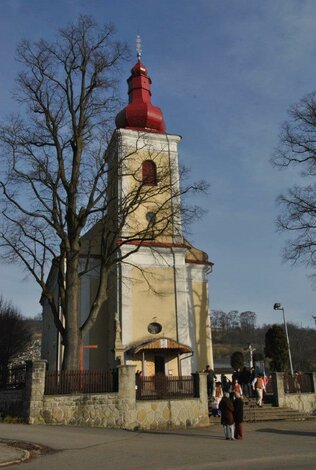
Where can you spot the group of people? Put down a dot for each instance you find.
(226, 397)
(231, 407)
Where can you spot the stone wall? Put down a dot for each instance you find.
(112, 410)
(34, 390)
(176, 413)
(166, 414)
(99, 410)
(304, 402)
(121, 410)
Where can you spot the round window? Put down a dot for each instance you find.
(154, 328)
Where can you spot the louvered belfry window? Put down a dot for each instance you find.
(149, 173)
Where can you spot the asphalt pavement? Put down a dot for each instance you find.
(268, 446)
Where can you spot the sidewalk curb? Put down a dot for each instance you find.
(25, 457)
(27, 449)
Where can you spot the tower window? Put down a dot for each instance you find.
(151, 217)
(149, 173)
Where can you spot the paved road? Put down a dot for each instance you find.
(267, 446)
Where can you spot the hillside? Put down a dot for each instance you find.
(237, 338)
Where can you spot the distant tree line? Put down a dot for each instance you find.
(234, 331)
(233, 319)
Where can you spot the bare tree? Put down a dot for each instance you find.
(218, 318)
(59, 174)
(298, 149)
(247, 320)
(15, 335)
(225, 321)
(233, 319)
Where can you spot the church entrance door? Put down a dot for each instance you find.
(159, 365)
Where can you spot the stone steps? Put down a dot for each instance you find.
(274, 415)
(253, 413)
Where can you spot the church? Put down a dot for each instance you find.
(156, 315)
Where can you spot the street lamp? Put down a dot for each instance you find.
(278, 306)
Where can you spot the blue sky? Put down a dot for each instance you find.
(224, 73)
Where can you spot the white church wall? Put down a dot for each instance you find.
(197, 298)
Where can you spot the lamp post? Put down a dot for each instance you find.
(277, 306)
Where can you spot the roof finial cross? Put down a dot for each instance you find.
(139, 46)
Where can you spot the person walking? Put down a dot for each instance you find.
(244, 380)
(259, 386)
(251, 379)
(297, 381)
(211, 378)
(236, 387)
(218, 393)
(226, 384)
(238, 416)
(236, 374)
(227, 416)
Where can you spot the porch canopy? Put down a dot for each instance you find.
(160, 344)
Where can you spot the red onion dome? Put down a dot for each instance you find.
(140, 114)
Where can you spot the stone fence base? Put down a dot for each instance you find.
(304, 402)
(111, 410)
(166, 414)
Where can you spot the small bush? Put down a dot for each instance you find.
(11, 419)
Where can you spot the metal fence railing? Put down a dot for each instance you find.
(160, 387)
(269, 386)
(299, 383)
(13, 377)
(76, 381)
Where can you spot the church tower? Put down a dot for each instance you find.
(161, 291)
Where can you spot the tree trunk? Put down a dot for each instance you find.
(73, 337)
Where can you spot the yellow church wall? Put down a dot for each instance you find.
(202, 325)
(172, 367)
(150, 365)
(171, 363)
(149, 306)
(156, 199)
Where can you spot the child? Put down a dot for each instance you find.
(236, 388)
(214, 407)
(218, 392)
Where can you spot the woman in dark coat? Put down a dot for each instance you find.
(238, 416)
(227, 418)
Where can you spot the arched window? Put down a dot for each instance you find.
(149, 173)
